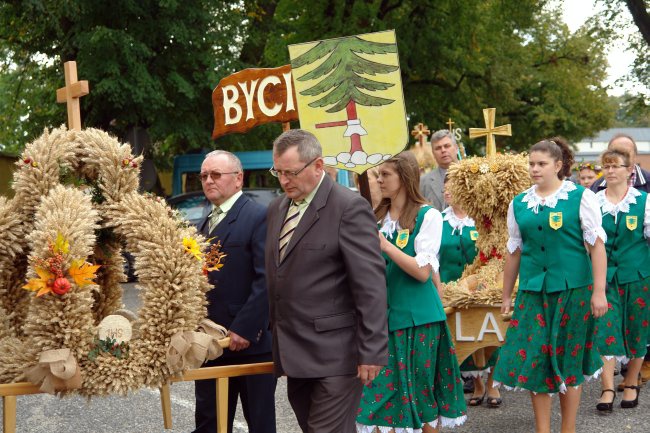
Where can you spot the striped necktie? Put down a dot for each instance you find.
(214, 218)
(289, 226)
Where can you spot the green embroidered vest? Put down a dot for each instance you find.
(628, 253)
(411, 302)
(553, 255)
(456, 251)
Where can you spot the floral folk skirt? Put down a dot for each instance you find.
(420, 385)
(624, 330)
(550, 342)
(469, 368)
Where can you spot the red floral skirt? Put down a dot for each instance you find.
(550, 342)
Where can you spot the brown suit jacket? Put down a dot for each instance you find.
(328, 296)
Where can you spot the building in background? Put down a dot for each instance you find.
(589, 149)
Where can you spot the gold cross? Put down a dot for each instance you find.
(450, 123)
(490, 131)
(421, 133)
(71, 93)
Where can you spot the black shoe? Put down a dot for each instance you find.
(494, 402)
(629, 404)
(476, 401)
(606, 407)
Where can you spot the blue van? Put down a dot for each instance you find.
(259, 185)
(256, 163)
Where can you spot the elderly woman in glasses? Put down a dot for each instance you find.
(623, 331)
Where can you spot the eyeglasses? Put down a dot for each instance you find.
(290, 174)
(612, 166)
(214, 175)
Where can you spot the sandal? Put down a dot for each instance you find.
(476, 401)
(606, 407)
(629, 404)
(494, 402)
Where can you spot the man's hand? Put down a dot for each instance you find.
(367, 373)
(237, 342)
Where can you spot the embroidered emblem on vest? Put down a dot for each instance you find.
(473, 235)
(555, 220)
(630, 222)
(402, 238)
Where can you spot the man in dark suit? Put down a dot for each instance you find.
(238, 299)
(640, 178)
(327, 288)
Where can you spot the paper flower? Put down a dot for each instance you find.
(192, 247)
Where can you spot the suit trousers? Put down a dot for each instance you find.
(257, 394)
(327, 404)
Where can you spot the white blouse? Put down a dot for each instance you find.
(623, 206)
(590, 216)
(427, 241)
(455, 222)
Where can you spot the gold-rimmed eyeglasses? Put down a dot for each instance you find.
(290, 174)
(214, 175)
(612, 166)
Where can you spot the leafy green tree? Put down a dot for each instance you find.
(459, 57)
(153, 64)
(150, 64)
(608, 23)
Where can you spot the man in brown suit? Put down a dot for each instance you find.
(327, 288)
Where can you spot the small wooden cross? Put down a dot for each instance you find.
(71, 93)
(490, 131)
(421, 133)
(450, 123)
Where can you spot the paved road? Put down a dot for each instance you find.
(141, 413)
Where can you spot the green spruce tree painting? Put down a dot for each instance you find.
(344, 80)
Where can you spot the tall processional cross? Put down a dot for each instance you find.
(421, 133)
(450, 123)
(71, 93)
(490, 131)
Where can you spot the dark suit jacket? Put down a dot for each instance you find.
(238, 299)
(642, 182)
(328, 295)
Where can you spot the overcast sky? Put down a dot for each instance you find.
(619, 58)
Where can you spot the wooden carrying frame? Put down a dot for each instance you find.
(473, 321)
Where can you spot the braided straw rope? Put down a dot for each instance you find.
(172, 284)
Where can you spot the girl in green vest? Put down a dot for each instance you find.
(550, 345)
(457, 250)
(623, 331)
(420, 389)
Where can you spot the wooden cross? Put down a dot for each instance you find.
(71, 93)
(490, 131)
(421, 133)
(450, 123)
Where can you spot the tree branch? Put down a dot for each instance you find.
(641, 17)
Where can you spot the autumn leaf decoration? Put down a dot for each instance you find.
(42, 284)
(213, 258)
(53, 278)
(82, 273)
